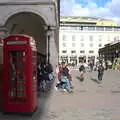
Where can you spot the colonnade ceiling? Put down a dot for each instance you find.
(30, 24)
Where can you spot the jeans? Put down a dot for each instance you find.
(67, 84)
(100, 76)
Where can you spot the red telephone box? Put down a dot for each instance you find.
(19, 74)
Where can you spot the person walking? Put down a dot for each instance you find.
(65, 77)
(100, 72)
(82, 71)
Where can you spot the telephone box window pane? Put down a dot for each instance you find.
(20, 94)
(13, 93)
(20, 87)
(17, 75)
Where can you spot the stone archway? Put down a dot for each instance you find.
(30, 24)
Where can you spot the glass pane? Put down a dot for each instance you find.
(20, 94)
(17, 75)
(12, 93)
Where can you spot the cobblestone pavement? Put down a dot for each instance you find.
(89, 101)
(38, 115)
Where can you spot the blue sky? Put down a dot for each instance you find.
(99, 3)
(109, 9)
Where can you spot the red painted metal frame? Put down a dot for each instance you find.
(28, 103)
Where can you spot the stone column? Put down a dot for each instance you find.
(53, 50)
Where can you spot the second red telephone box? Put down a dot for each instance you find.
(19, 74)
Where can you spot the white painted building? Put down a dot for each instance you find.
(81, 40)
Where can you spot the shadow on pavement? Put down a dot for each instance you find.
(78, 78)
(39, 114)
(95, 80)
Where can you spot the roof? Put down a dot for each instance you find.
(91, 20)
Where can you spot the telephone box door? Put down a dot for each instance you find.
(17, 75)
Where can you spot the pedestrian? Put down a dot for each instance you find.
(82, 71)
(91, 66)
(100, 72)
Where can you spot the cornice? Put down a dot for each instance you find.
(26, 3)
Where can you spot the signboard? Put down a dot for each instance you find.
(16, 42)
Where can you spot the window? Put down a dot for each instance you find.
(100, 37)
(108, 28)
(73, 44)
(91, 51)
(91, 28)
(73, 51)
(17, 64)
(73, 38)
(81, 44)
(82, 38)
(64, 37)
(91, 44)
(64, 44)
(108, 38)
(116, 38)
(91, 38)
(116, 29)
(82, 51)
(100, 28)
(85, 28)
(64, 51)
(100, 45)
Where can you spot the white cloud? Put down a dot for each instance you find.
(114, 7)
(110, 10)
(66, 7)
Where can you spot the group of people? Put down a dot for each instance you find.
(44, 75)
(64, 78)
(100, 69)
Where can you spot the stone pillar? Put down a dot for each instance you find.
(53, 53)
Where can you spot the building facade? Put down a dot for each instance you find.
(110, 51)
(80, 38)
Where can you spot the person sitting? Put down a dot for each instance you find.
(64, 82)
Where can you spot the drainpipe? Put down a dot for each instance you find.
(48, 52)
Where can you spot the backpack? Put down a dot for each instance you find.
(101, 69)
